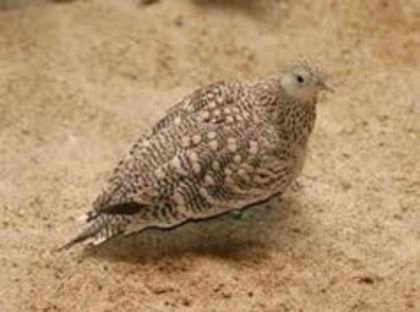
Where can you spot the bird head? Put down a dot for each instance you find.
(303, 81)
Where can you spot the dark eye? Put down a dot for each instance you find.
(299, 79)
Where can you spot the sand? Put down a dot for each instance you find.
(80, 80)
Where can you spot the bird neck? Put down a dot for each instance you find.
(295, 120)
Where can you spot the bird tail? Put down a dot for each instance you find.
(105, 224)
(96, 232)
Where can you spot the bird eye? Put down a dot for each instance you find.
(299, 79)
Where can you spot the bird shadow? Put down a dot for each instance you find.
(222, 237)
(252, 7)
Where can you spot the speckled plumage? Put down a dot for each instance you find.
(224, 147)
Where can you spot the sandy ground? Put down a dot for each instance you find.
(79, 80)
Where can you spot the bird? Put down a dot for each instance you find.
(224, 147)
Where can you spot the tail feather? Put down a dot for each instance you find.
(104, 224)
(82, 237)
(97, 231)
(87, 235)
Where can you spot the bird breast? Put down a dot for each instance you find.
(300, 156)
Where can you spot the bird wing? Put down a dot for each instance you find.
(204, 107)
(227, 147)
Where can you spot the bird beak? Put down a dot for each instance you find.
(326, 87)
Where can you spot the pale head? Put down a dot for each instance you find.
(303, 82)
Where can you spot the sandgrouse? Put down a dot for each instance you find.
(224, 147)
